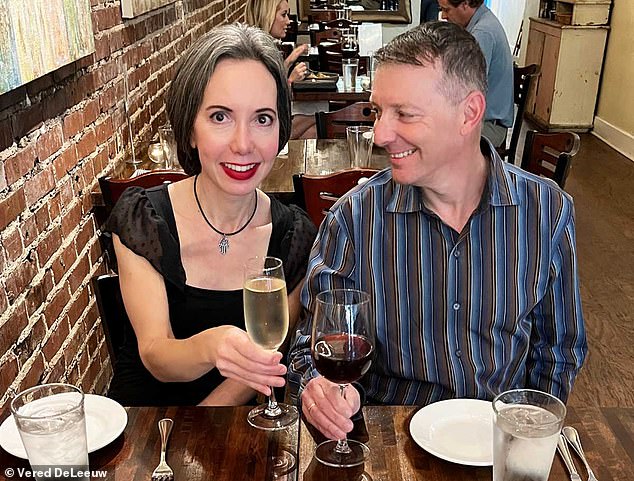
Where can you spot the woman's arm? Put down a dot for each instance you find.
(226, 348)
(295, 54)
(229, 393)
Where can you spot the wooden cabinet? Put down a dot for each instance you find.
(571, 57)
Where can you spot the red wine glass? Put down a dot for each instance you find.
(342, 345)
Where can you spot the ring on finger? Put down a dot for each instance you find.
(310, 408)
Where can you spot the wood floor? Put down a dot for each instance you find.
(602, 184)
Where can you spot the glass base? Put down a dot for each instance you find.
(283, 463)
(258, 418)
(327, 454)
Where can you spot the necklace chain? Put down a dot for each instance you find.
(223, 245)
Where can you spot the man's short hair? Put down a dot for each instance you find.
(462, 61)
(471, 3)
(195, 68)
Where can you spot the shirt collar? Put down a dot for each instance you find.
(482, 9)
(500, 190)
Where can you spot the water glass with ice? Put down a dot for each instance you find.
(526, 428)
(52, 425)
(349, 67)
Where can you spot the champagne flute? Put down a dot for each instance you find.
(266, 320)
(342, 345)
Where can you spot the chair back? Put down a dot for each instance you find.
(522, 81)
(328, 35)
(320, 192)
(316, 16)
(111, 189)
(550, 155)
(339, 23)
(332, 125)
(114, 318)
(330, 57)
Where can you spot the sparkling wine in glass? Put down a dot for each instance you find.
(342, 348)
(266, 319)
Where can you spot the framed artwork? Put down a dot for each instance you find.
(134, 8)
(40, 36)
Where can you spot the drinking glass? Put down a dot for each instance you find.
(349, 67)
(342, 346)
(52, 425)
(360, 139)
(266, 320)
(526, 429)
(168, 142)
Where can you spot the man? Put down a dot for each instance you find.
(488, 31)
(470, 262)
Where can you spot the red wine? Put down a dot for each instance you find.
(342, 358)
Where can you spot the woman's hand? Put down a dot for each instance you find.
(327, 410)
(237, 357)
(295, 54)
(299, 73)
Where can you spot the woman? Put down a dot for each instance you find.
(272, 16)
(181, 247)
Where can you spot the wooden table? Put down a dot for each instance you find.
(218, 444)
(358, 95)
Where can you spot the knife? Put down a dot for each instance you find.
(562, 448)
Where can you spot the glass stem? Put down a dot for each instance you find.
(342, 444)
(272, 409)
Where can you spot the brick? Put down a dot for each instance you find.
(70, 220)
(54, 105)
(18, 165)
(64, 163)
(86, 232)
(54, 207)
(4, 300)
(91, 111)
(49, 142)
(57, 371)
(34, 374)
(6, 137)
(38, 186)
(73, 123)
(34, 338)
(87, 144)
(11, 208)
(64, 72)
(106, 18)
(11, 330)
(59, 333)
(19, 279)
(8, 371)
(56, 305)
(66, 193)
(36, 86)
(104, 130)
(42, 218)
(38, 292)
(102, 47)
(48, 246)
(3, 178)
(77, 276)
(12, 242)
(62, 262)
(27, 120)
(28, 231)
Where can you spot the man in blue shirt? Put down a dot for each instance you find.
(480, 22)
(470, 262)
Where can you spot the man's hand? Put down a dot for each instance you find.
(327, 410)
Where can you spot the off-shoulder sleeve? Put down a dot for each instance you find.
(296, 241)
(145, 232)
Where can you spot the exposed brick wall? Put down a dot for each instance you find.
(58, 134)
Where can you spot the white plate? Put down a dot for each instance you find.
(105, 421)
(456, 430)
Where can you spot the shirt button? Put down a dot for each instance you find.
(458, 352)
(456, 306)
(456, 253)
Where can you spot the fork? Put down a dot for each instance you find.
(163, 472)
(562, 448)
(572, 436)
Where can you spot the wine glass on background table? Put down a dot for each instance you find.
(342, 348)
(266, 319)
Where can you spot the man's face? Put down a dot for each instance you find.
(417, 125)
(459, 15)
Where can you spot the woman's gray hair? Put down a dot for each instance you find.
(460, 56)
(195, 68)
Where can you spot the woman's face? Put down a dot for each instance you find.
(236, 129)
(281, 21)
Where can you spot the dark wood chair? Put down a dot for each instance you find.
(332, 125)
(320, 192)
(111, 189)
(522, 80)
(317, 16)
(329, 35)
(114, 318)
(330, 57)
(339, 23)
(550, 155)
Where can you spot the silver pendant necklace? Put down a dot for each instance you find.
(223, 245)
